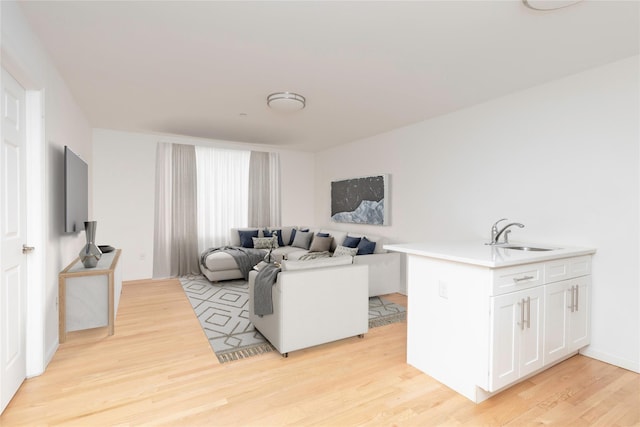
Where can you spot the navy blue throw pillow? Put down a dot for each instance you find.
(366, 247)
(246, 237)
(322, 234)
(351, 242)
(269, 233)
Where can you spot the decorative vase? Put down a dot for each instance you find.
(90, 253)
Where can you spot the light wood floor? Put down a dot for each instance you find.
(159, 369)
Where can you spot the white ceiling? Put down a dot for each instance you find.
(192, 68)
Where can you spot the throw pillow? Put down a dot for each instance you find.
(293, 235)
(345, 251)
(366, 247)
(323, 234)
(246, 237)
(265, 242)
(321, 243)
(302, 239)
(269, 233)
(351, 242)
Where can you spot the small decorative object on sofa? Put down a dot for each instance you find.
(90, 254)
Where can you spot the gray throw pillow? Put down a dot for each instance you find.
(265, 242)
(302, 239)
(321, 244)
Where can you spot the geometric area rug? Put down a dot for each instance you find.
(223, 312)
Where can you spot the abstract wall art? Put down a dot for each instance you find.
(361, 200)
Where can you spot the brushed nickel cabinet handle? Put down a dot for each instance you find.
(521, 322)
(520, 279)
(572, 306)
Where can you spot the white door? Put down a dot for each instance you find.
(13, 274)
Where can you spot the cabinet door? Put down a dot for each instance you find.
(579, 335)
(531, 333)
(516, 336)
(557, 310)
(566, 326)
(506, 314)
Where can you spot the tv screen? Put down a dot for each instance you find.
(76, 192)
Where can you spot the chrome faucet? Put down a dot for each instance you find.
(495, 234)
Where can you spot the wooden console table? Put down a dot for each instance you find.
(89, 297)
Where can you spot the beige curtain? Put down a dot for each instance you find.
(175, 237)
(264, 189)
(184, 209)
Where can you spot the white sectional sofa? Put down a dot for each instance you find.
(384, 267)
(330, 301)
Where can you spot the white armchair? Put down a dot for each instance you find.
(314, 306)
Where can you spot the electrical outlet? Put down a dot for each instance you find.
(443, 289)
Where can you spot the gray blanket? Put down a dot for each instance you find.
(245, 258)
(262, 289)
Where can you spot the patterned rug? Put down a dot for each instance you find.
(223, 311)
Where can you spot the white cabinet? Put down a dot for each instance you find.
(482, 318)
(516, 336)
(541, 324)
(89, 297)
(566, 317)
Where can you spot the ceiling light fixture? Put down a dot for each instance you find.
(549, 4)
(286, 101)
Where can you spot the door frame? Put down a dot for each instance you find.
(37, 214)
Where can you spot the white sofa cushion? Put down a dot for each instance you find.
(290, 265)
(218, 261)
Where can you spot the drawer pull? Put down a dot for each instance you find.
(520, 279)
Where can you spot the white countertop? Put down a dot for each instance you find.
(477, 253)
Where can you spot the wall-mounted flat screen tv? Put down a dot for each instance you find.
(76, 192)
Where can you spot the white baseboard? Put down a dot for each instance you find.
(631, 365)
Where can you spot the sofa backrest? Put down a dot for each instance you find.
(339, 236)
(290, 265)
(234, 237)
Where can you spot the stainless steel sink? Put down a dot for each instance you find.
(527, 248)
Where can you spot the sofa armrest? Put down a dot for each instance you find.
(316, 306)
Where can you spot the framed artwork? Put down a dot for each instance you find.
(361, 200)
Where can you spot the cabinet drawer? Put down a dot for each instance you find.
(515, 278)
(567, 268)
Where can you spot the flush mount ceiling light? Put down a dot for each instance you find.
(549, 4)
(286, 101)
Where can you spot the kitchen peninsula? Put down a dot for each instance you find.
(484, 317)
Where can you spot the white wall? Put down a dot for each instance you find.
(562, 158)
(64, 124)
(124, 185)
